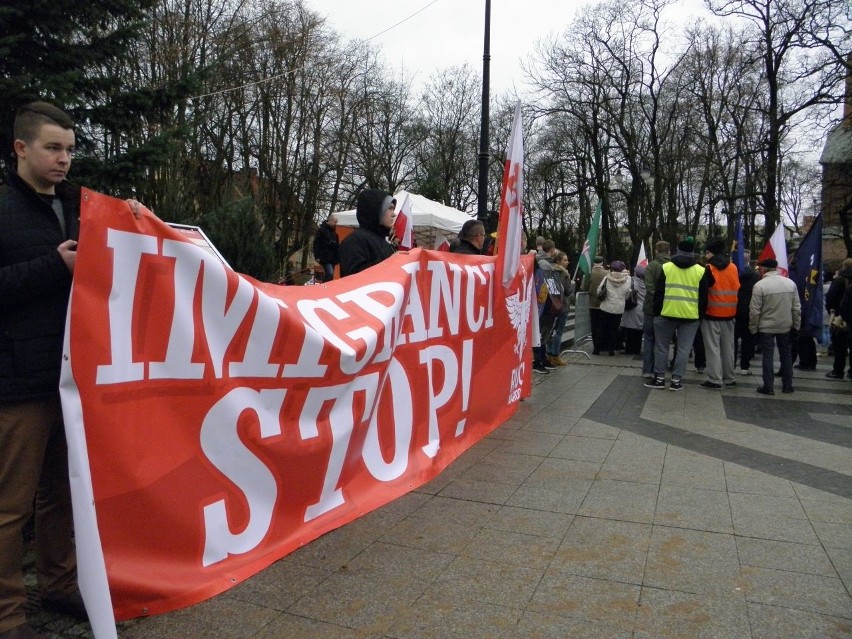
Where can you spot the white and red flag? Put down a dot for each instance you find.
(248, 419)
(642, 260)
(403, 226)
(777, 249)
(510, 226)
(441, 242)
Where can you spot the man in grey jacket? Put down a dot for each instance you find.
(774, 312)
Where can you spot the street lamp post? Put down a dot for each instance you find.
(482, 193)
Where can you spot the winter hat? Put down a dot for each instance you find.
(687, 245)
(599, 259)
(768, 263)
(618, 266)
(715, 247)
(639, 271)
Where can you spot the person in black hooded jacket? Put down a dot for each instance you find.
(368, 245)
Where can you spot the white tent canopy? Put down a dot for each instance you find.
(429, 218)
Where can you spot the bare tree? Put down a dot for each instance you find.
(800, 72)
(446, 168)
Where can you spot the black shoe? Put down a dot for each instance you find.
(69, 605)
(777, 373)
(833, 375)
(786, 391)
(675, 385)
(805, 368)
(538, 367)
(655, 382)
(21, 632)
(710, 385)
(730, 384)
(764, 391)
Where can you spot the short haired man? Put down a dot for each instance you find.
(327, 247)
(775, 310)
(471, 238)
(39, 215)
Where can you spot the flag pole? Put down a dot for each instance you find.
(482, 192)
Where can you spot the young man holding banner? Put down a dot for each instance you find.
(39, 215)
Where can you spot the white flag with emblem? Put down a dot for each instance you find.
(510, 226)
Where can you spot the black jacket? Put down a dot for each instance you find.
(836, 290)
(367, 245)
(34, 289)
(464, 247)
(326, 245)
(748, 278)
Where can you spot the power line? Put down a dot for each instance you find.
(291, 71)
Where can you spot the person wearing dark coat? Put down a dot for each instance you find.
(471, 238)
(745, 340)
(369, 244)
(39, 218)
(327, 247)
(839, 338)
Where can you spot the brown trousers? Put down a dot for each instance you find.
(34, 481)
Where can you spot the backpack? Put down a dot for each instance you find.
(555, 298)
(633, 299)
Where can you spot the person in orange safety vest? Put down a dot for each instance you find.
(719, 319)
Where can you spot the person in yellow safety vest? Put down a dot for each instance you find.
(718, 322)
(680, 300)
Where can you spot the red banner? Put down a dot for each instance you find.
(223, 422)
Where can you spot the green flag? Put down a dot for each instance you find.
(587, 257)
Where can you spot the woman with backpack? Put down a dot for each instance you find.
(613, 293)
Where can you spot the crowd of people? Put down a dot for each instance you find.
(707, 309)
(720, 315)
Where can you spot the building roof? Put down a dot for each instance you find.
(838, 146)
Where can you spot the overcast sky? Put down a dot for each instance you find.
(440, 33)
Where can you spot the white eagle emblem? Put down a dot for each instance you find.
(518, 307)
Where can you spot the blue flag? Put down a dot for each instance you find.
(808, 277)
(738, 250)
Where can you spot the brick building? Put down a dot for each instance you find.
(836, 195)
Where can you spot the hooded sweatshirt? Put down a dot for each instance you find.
(367, 245)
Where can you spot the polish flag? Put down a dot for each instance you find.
(510, 225)
(643, 259)
(441, 242)
(777, 249)
(403, 227)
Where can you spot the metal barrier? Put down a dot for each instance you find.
(582, 324)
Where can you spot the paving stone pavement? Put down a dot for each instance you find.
(602, 509)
